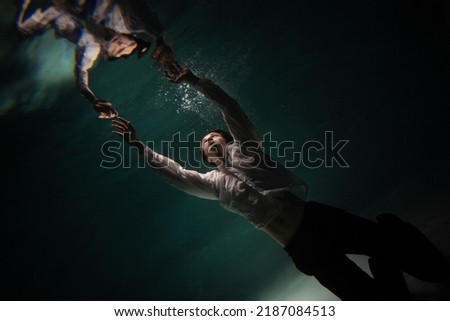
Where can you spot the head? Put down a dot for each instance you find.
(124, 45)
(214, 146)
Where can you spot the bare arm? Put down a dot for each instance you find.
(38, 22)
(87, 52)
(189, 181)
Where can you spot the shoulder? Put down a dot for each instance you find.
(212, 174)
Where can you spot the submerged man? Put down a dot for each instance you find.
(316, 236)
(91, 38)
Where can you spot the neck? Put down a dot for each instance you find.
(220, 163)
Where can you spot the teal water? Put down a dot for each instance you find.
(376, 74)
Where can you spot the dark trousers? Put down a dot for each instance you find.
(327, 234)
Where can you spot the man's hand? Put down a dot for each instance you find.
(105, 109)
(168, 64)
(125, 129)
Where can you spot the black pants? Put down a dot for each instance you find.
(327, 234)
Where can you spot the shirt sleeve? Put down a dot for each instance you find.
(239, 125)
(190, 181)
(87, 52)
(38, 22)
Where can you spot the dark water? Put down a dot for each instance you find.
(373, 73)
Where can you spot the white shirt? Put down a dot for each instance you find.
(68, 26)
(251, 184)
(127, 17)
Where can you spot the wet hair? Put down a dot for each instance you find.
(226, 135)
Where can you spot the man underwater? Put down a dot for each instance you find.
(316, 236)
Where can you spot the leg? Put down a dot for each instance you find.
(412, 250)
(392, 244)
(335, 271)
(319, 249)
(389, 278)
(346, 280)
(397, 243)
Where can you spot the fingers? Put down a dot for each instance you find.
(108, 115)
(120, 134)
(103, 103)
(120, 126)
(105, 109)
(120, 130)
(104, 116)
(122, 121)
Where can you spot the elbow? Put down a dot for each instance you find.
(22, 33)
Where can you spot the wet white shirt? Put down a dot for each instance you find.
(68, 26)
(127, 17)
(250, 184)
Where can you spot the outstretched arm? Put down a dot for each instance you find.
(189, 181)
(87, 52)
(38, 22)
(239, 125)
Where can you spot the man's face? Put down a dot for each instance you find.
(214, 146)
(121, 46)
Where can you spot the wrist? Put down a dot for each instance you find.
(191, 78)
(138, 144)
